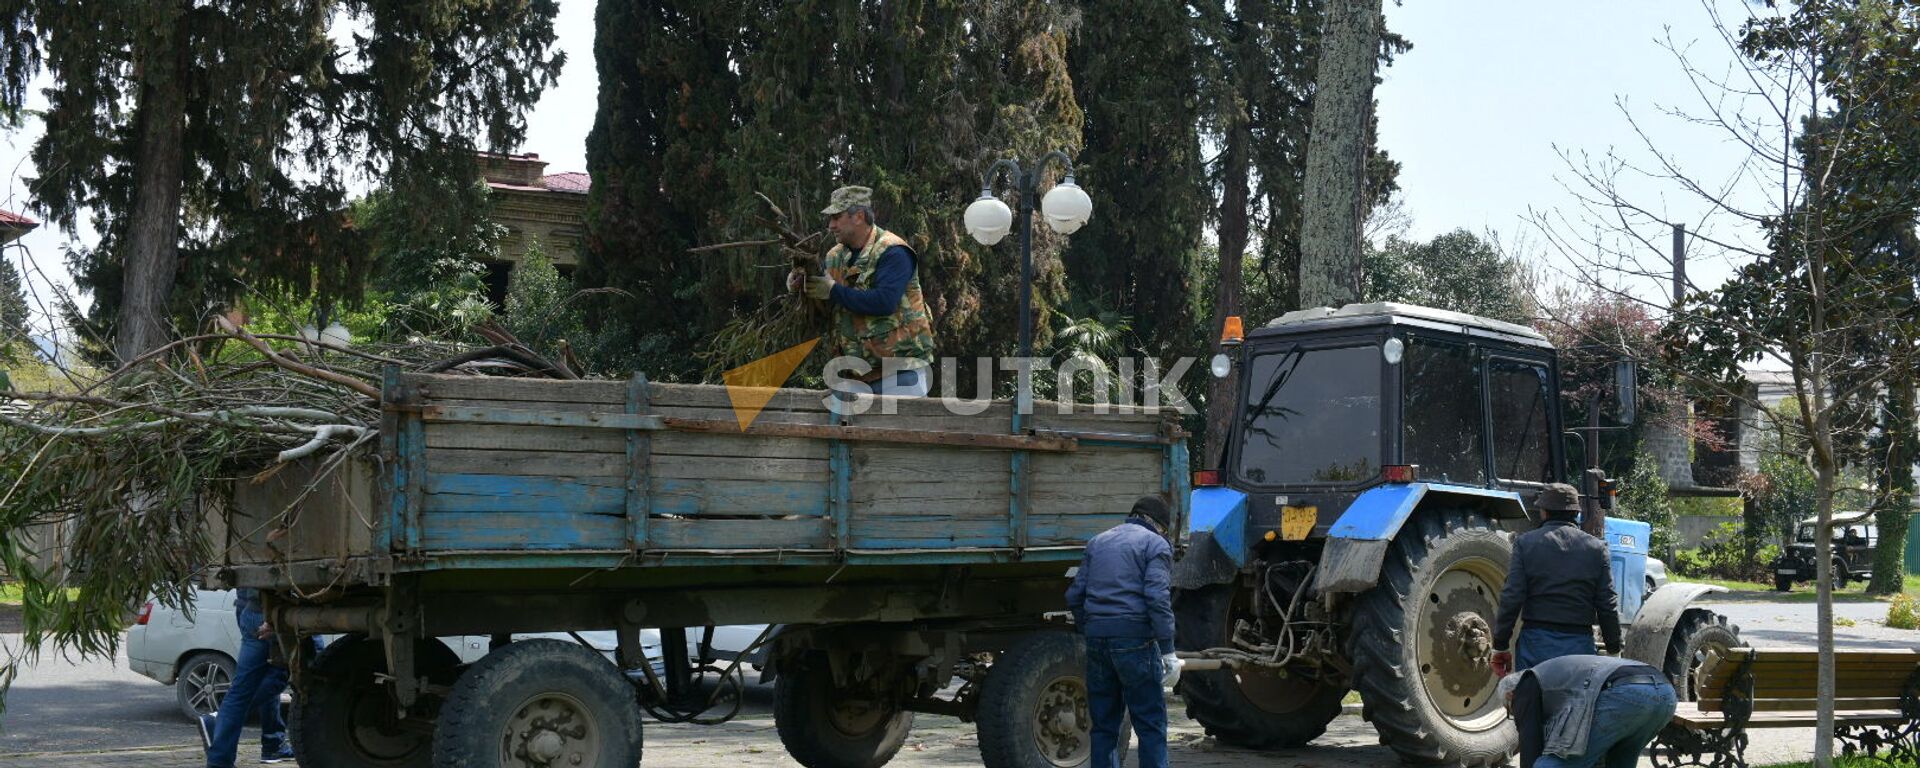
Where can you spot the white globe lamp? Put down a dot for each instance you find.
(1066, 207)
(988, 220)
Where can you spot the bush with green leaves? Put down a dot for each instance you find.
(1727, 553)
(1643, 497)
(1902, 613)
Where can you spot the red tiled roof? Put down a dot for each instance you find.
(11, 220)
(574, 181)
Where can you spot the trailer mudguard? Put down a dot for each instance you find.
(1652, 629)
(1216, 538)
(1357, 541)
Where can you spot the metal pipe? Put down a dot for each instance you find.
(324, 619)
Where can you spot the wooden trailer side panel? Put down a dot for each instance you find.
(496, 466)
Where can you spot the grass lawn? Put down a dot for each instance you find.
(1847, 762)
(10, 593)
(1804, 593)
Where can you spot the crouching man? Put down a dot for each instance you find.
(1583, 711)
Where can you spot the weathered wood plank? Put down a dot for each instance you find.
(517, 493)
(928, 531)
(542, 531)
(672, 496)
(741, 468)
(1062, 530)
(715, 396)
(437, 386)
(471, 461)
(502, 437)
(687, 412)
(737, 445)
(803, 533)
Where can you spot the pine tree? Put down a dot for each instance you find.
(239, 115)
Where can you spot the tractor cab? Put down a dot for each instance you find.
(1385, 401)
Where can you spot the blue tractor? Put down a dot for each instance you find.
(1357, 531)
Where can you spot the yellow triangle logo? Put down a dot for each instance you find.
(751, 386)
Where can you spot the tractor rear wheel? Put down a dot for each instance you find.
(1699, 633)
(1245, 708)
(1421, 640)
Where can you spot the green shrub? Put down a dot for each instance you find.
(1727, 553)
(1903, 613)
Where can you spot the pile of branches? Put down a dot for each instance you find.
(102, 490)
(788, 319)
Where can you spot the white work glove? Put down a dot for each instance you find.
(795, 281)
(1171, 666)
(819, 288)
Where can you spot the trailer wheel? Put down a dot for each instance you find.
(1782, 583)
(823, 726)
(347, 719)
(1245, 709)
(1699, 633)
(1033, 709)
(1420, 642)
(540, 703)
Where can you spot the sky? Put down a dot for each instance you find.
(1474, 113)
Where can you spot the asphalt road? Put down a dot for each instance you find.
(97, 714)
(61, 705)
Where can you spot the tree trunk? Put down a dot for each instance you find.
(1335, 183)
(151, 251)
(1223, 393)
(1896, 486)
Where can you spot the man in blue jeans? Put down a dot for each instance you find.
(1122, 601)
(1587, 711)
(1559, 584)
(256, 687)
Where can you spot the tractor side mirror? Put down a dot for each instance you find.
(1626, 387)
(1575, 453)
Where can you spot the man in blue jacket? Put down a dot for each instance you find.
(1122, 601)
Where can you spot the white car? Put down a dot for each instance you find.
(195, 654)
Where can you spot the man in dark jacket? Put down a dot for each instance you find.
(1587, 711)
(1559, 583)
(1122, 601)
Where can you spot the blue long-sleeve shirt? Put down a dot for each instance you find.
(890, 279)
(1125, 586)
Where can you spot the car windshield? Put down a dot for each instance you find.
(1313, 416)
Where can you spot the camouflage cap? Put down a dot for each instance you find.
(848, 197)
(1558, 497)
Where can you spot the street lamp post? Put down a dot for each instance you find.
(1066, 208)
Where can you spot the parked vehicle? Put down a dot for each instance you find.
(1356, 533)
(194, 652)
(1854, 540)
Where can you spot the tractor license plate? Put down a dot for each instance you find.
(1296, 523)
(1786, 572)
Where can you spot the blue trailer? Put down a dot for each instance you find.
(901, 546)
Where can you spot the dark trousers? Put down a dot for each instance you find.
(1538, 645)
(1123, 679)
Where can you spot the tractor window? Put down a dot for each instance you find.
(1519, 395)
(1312, 417)
(1440, 411)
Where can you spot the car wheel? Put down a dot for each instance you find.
(201, 683)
